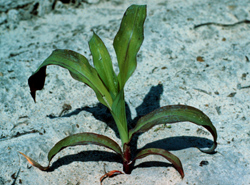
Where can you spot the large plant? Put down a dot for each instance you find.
(109, 89)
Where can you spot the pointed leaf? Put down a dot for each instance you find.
(164, 153)
(103, 64)
(79, 68)
(174, 114)
(34, 163)
(129, 40)
(78, 139)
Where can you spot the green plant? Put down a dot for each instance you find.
(109, 89)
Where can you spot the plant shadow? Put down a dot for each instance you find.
(183, 143)
(86, 156)
(149, 104)
(100, 112)
(153, 164)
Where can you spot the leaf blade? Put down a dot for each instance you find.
(164, 153)
(128, 41)
(83, 139)
(103, 64)
(79, 68)
(77, 139)
(174, 114)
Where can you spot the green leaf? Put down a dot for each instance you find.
(164, 153)
(119, 114)
(103, 64)
(174, 114)
(79, 68)
(78, 139)
(129, 40)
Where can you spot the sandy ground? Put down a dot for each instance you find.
(206, 67)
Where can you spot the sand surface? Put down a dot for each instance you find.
(206, 67)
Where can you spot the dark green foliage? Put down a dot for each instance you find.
(109, 89)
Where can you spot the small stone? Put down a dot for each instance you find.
(204, 163)
(217, 93)
(232, 94)
(200, 59)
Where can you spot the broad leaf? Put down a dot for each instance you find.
(78, 139)
(79, 68)
(164, 153)
(103, 64)
(174, 114)
(129, 40)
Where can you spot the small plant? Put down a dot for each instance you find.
(109, 89)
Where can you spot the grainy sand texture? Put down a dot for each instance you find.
(205, 66)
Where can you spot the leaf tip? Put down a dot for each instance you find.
(182, 174)
(33, 94)
(210, 150)
(28, 159)
(34, 163)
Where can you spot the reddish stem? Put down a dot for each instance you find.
(126, 159)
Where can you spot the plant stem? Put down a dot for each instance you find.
(118, 111)
(126, 158)
(123, 131)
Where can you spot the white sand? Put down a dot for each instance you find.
(168, 56)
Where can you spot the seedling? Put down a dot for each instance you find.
(109, 89)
